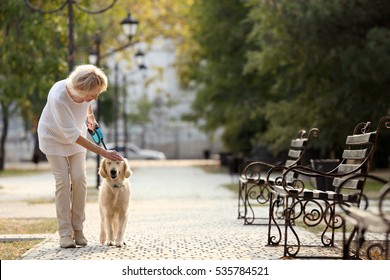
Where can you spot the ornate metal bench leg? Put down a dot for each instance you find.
(272, 239)
(241, 186)
(292, 249)
(348, 252)
(331, 221)
(247, 206)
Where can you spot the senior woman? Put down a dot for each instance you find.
(62, 138)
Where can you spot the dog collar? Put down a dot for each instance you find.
(117, 185)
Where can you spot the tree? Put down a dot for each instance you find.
(26, 68)
(328, 59)
(225, 93)
(34, 47)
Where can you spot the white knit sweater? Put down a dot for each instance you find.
(61, 123)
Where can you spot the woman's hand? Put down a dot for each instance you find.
(108, 154)
(91, 122)
(112, 155)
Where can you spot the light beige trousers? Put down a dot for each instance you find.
(71, 191)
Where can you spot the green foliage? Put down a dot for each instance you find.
(289, 65)
(226, 96)
(33, 46)
(329, 60)
(27, 70)
(262, 69)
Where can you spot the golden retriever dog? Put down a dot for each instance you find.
(114, 200)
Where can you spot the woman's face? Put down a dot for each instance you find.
(93, 95)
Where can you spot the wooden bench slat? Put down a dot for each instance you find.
(298, 143)
(361, 139)
(345, 168)
(295, 154)
(290, 162)
(350, 184)
(355, 154)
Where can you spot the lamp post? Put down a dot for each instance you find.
(70, 3)
(139, 57)
(125, 132)
(129, 27)
(116, 107)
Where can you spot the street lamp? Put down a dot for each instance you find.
(70, 3)
(140, 58)
(129, 26)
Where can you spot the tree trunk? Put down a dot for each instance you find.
(4, 133)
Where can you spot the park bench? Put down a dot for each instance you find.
(372, 219)
(317, 208)
(252, 187)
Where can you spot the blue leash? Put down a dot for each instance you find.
(97, 135)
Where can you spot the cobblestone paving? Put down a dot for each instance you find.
(172, 230)
(179, 213)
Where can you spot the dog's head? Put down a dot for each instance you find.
(114, 170)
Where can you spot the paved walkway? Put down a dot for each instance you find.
(177, 212)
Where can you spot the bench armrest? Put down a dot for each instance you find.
(289, 178)
(257, 170)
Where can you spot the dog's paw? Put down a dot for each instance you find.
(110, 243)
(120, 243)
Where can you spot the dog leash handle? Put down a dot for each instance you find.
(97, 135)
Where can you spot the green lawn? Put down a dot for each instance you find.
(14, 250)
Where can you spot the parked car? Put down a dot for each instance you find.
(135, 152)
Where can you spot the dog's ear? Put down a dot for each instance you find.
(102, 168)
(127, 170)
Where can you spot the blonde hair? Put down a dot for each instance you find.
(86, 78)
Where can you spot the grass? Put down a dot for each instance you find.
(10, 250)
(372, 187)
(27, 226)
(14, 250)
(18, 172)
